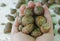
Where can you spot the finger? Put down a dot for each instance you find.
(38, 4)
(31, 4)
(22, 9)
(15, 26)
(48, 17)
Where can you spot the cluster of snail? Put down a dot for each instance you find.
(32, 20)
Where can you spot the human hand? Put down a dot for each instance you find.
(19, 36)
(47, 36)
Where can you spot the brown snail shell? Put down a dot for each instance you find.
(27, 20)
(45, 28)
(27, 29)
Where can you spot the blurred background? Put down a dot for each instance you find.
(9, 9)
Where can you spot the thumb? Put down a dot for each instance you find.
(15, 26)
(48, 17)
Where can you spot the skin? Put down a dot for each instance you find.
(19, 36)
